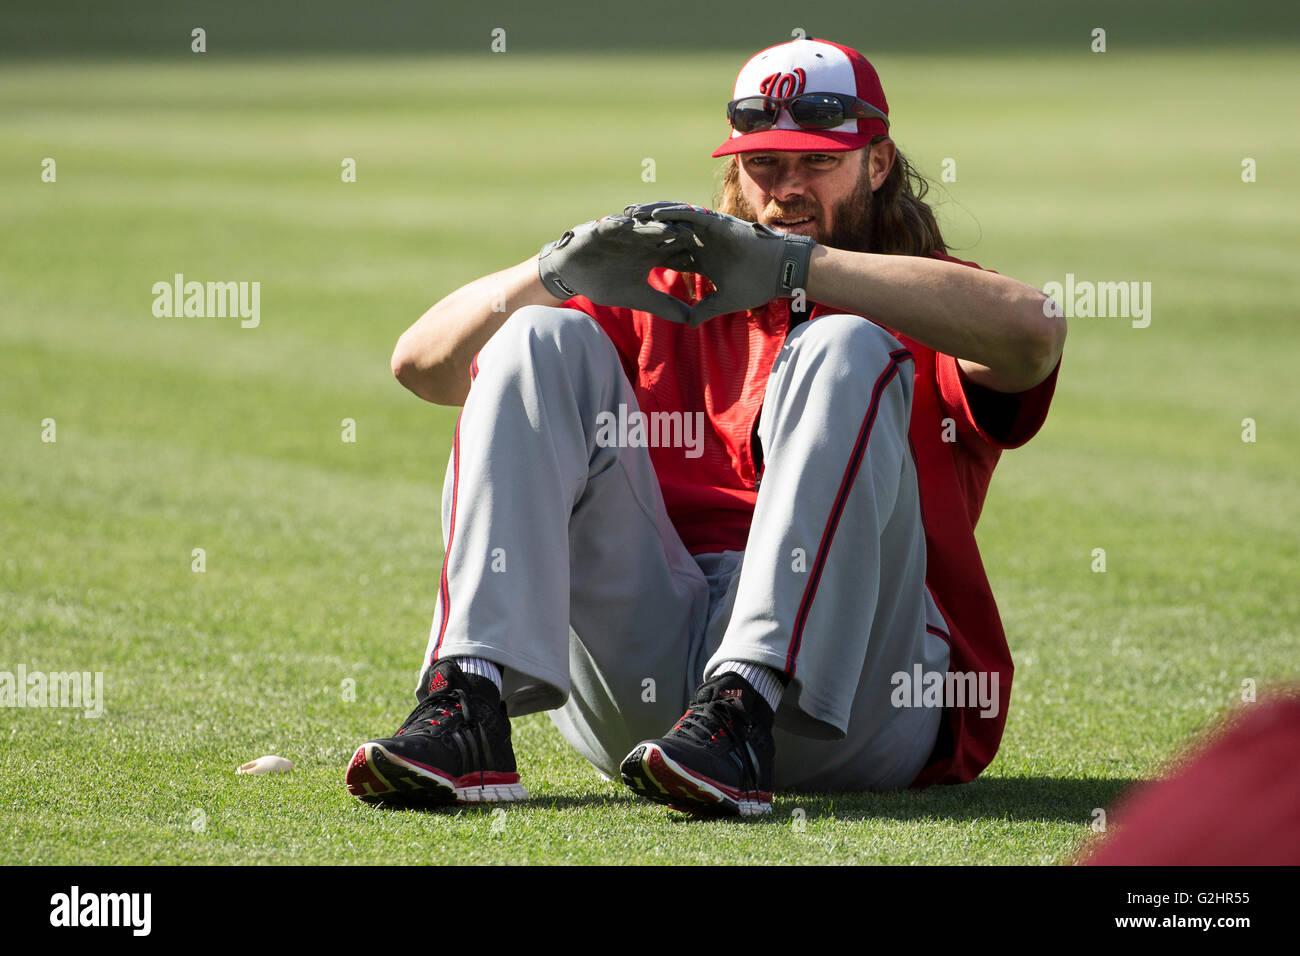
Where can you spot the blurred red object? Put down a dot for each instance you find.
(1233, 801)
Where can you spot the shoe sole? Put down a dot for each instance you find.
(377, 775)
(649, 772)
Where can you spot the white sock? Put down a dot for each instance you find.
(762, 679)
(481, 667)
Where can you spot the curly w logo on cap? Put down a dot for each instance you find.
(805, 96)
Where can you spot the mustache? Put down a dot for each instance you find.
(796, 212)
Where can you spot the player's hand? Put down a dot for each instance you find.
(607, 260)
(748, 263)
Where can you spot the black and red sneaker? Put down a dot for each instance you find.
(717, 760)
(454, 748)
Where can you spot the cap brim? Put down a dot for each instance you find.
(794, 141)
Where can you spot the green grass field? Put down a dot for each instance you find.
(322, 556)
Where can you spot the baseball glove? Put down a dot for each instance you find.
(748, 263)
(607, 260)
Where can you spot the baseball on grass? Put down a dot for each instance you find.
(267, 764)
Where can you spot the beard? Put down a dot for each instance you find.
(851, 217)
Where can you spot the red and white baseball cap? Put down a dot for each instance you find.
(808, 66)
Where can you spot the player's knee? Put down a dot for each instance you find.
(858, 341)
(547, 322)
(849, 358)
(540, 334)
(842, 350)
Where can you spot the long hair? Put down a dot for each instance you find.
(899, 221)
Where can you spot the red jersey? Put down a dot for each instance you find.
(722, 368)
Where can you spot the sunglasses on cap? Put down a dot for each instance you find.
(751, 114)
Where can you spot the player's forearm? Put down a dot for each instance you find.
(994, 323)
(433, 356)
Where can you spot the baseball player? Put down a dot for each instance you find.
(712, 494)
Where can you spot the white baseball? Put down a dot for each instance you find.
(267, 764)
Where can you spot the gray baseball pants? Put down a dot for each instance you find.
(563, 567)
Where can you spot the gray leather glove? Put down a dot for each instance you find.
(607, 260)
(748, 263)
